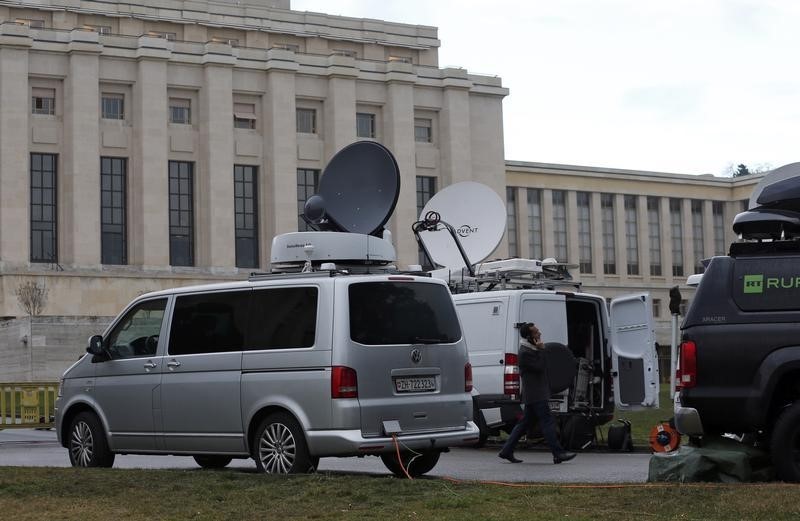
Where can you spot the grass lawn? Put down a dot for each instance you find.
(118, 494)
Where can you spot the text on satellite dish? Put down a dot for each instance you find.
(465, 230)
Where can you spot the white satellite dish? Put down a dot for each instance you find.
(478, 216)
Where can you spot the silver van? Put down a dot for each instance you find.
(281, 369)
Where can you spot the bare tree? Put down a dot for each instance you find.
(32, 297)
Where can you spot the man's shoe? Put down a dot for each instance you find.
(562, 457)
(510, 457)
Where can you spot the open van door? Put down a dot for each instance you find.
(634, 362)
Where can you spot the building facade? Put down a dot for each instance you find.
(161, 144)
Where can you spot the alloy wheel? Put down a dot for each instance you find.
(277, 449)
(82, 444)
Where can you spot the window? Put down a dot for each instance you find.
(32, 23)
(697, 234)
(719, 227)
(112, 106)
(560, 225)
(584, 231)
(365, 125)
(233, 42)
(181, 213)
(307, 121)
(287, 47)
(535, 249)
(209, 323)
(386, 313)
(682, 308)
(44, 214)
(113, 229)
(676, 228)
(511, 221)
(43, 101)
(609, 252)
(745, 204)
(423, 130)
(656, 308)
(283, 318)
(180, 111)
(136, 335)
(162, 34)
(426, 188)
(307, 185)
(344, 52)
(401, 59)
(244, 116)
(245, 202)
(654, 231)
(632, 234)
(102, 29)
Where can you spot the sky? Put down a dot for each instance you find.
(680, 86)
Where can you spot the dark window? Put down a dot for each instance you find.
(654, 231)
(181, 213)
(137, 333)
(113, 229)
(209, 323)
(283, 318)
(307, 185)
(426, 188)
(112, 106)
(365, 125)
(698, 241)
(44, 215)
(43, 101)
(245, 200)
(423, 130)
(307, 121)
(676, 227)
(719, 227)
(632, 234)
(535, 245)
(244, 116)
(180, 111)
(584, 200)
(609, 241)
(656, 308)
(511, 221)
(560, 225)
(384, 313)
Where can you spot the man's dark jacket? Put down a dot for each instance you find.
(533, 373)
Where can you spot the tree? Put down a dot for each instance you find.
(741, 170)
(31, 297)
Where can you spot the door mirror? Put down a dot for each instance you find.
(95, 346)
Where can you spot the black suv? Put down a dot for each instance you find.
(739, 366)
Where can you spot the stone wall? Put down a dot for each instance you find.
(42, 348)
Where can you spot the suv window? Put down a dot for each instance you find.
(283, 318)
(136, 335)
(209, 323)
(384, 313)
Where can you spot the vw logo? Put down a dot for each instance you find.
(416, 355)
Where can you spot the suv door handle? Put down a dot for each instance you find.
(173, 364)
(150, 365)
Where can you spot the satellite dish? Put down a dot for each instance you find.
(358, 190)
(479, 217)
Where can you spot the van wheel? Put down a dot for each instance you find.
(212, 462)
(280, 446)
(785, 446)
(87, 444)
(416, 465)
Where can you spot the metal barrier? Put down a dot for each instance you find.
(26, 405)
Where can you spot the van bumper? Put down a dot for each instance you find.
(687, 419)
(352, 443)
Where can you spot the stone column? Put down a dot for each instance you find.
(278, 190)
(454, 127)
(148, 172)
(340, 105)
(399, 132)
(79, 181)
(216, 246)
(15, 105)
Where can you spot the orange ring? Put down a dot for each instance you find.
(664, 438)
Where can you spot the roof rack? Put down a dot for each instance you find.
(511, 274)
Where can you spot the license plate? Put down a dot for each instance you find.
(415, 384)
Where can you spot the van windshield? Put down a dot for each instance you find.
(383, 313)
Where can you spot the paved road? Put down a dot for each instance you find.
(40, 448)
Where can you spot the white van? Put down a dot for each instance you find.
(614, 352)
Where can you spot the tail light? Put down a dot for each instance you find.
(511, 376)
(468, 377)
(686, 374)
(344, 383)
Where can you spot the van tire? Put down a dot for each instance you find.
(87, 443)
(786, 443)
(416, 465)
(212, 461)
(280, 446)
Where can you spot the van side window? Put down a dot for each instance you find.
(136, 335)
(209, 323)
(283, 318)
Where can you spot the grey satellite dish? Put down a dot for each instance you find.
(358, 190)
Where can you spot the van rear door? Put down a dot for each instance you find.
(402, 337)
(484, 322)
(634, 361)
